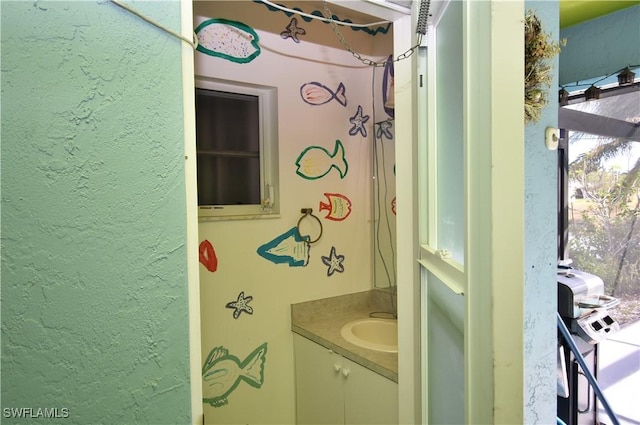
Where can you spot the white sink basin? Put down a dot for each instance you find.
(374, 334)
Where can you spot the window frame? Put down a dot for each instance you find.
(268, 146)
(563, 196)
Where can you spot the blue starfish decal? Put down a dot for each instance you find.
(358, 121)
(292, 31)
(334, 262)
(383, 130)
(241, 305)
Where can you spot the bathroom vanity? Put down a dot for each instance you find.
(338, 381)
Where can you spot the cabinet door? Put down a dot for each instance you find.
(319, 386)
(369, 398)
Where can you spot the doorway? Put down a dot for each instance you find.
(599, 231)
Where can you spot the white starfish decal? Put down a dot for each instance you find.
(334, 262)
(292, 31)
(241, 304)
(383, 130)
(358, 121)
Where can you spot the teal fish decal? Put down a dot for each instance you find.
(315, 162)
(222, 373)
(227, 39)
(289, 248)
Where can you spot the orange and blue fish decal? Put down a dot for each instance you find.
(338, 205)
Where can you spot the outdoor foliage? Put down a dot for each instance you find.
(604, 222)
(539, 49)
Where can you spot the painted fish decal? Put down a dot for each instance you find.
(222, 373)
(208, 256)
(289, 248)
(339, 206)
(227, 39)
(315, 93)
(315, 162)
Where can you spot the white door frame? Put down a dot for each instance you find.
(191, 185)
(491, 280)
(493, 283)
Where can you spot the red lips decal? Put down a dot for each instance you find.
(208, 256)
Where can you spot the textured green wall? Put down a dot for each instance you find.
(574, 12)
(540, 262)
(94, 285)
(600, 46)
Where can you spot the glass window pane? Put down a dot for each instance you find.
(445, 320)
(228, 148)
(604, 210)
(228, 180)
(227, 121)
(450, 136)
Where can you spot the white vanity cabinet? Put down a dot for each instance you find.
(331, 389)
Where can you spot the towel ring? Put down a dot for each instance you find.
(308, 212)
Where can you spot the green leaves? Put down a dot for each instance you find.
(538, 48)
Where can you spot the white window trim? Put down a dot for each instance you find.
(269, 184)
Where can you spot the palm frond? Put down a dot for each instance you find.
(590, 161)
(631, 179)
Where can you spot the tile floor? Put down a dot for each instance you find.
(619, 375)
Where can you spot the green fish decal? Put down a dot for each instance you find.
(222, 373)
(315, 162)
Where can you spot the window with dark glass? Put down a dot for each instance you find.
(228, 148)
(236, 147)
